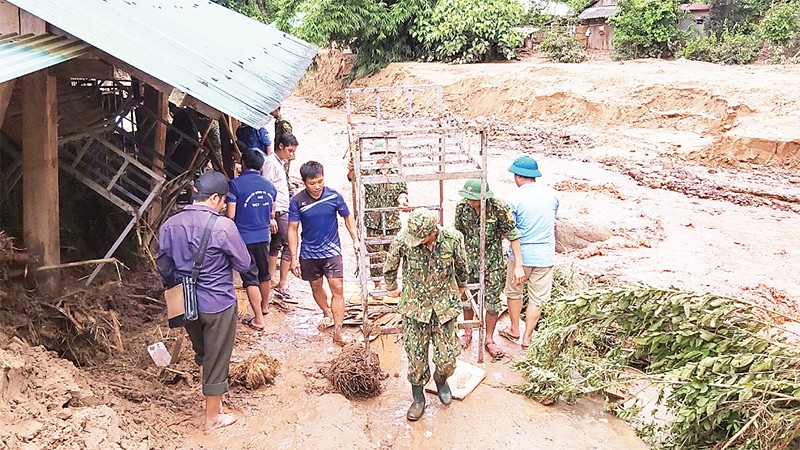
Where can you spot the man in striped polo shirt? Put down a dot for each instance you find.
(315, 208)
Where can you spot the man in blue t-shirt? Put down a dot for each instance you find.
(534, 207)
(316, 208)
(251, 205)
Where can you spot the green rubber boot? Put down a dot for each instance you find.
(418, 407)
(443, 389)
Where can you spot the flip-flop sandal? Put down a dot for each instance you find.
(249, 322)
(466, 340)
(223, 420)
(504, 332)
(325, 323)
(493, 350)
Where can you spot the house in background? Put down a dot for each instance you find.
(696, 18)
(595, 29)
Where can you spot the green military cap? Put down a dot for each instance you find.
(472, 190)
(421, 223)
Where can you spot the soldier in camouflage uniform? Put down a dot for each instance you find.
(382, 195)
(282, 126)
(434, 276)
(499, 224)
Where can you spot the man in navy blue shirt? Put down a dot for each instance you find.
(251, 205)
(316, 208)
(254, 138)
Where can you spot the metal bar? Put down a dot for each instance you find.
(482, 249)
(412, 87)
(397, 178)
(363, 259)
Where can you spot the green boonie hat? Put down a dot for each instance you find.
(472, 190)
(421, 223)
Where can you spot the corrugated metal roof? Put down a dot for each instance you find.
(21, 55)
(597, 12)
(230, 62)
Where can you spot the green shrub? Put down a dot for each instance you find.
(467, 31)
(779, 24)
(562, 46)
(729, 48)
(646, 28)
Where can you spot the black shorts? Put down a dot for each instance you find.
(259, 265)
(279, 244)
(314, 269)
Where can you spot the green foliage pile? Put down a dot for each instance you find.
(726, 382)
(646, 28)
(467, 31)
(729, 48)
(562, 46)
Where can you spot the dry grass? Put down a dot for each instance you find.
(255, 372)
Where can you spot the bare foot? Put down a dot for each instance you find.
(466, 339)
(221, 421)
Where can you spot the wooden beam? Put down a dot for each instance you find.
(9, 18)
(84, 68)
(28, 23)
(158, 102)
(40, 214)
(6, 89)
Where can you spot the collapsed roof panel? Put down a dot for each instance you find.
(230, 62)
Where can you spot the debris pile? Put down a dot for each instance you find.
(255, 372)
(356, 372)
(724, 379)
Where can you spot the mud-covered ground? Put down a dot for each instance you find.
(656, 156)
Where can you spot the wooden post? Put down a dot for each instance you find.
(40, 214)
(6, 89)
(158, 102)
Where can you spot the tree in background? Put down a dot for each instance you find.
(383, 31)
(261, 10)
(646, 28)
(467, 31)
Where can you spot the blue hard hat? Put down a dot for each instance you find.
(525, 166)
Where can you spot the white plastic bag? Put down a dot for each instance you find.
(160, 354)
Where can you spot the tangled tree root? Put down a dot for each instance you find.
(356, 372)
(254, 372)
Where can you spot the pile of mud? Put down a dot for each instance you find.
(45, 402)
(738, 114)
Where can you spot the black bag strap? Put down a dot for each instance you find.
(201, 252)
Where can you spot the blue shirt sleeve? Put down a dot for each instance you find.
(272, 191)
(341, 205)
(232, 194)
(263, 135)
(294, 210)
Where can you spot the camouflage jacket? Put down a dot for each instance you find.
(499, 224)
(382, 195)
(431, 279)
(281, 126)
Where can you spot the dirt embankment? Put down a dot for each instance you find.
(716, 114)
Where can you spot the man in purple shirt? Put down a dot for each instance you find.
(213, 333)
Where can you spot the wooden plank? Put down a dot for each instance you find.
(9, 18)
(28, 23)
(6, 89)
(40, 214)
(157, 102)
(465, 379)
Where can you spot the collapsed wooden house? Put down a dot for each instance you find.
(131, 99)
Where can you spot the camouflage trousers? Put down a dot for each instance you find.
(495, 282)
(377, 271)
(418, 336)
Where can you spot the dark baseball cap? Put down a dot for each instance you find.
(210, 183)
